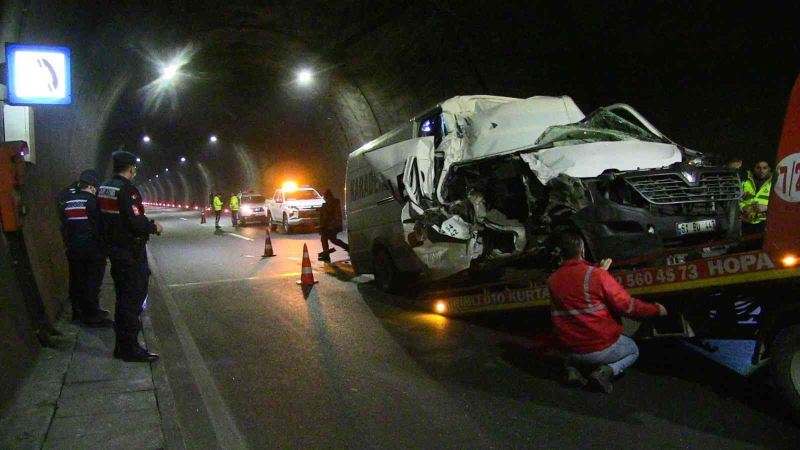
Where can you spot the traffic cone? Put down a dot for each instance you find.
(306, 275)
(268, 245)
(203, 216)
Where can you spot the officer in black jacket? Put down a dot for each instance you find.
(80, 220)
(125, 231)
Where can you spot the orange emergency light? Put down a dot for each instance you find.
(12, 171)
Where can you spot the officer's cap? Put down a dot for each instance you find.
(121, 157)
(90, 177)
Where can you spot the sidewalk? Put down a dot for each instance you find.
(78, 396)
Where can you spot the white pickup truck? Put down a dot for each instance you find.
(292, 208)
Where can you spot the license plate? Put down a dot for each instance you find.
(701, 226)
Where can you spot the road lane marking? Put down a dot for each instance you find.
(183, 218)
(240, 236)
(231, 280)
(225, 429)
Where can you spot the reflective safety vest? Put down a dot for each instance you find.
(217, 203)
(758, 197)
(234, 203)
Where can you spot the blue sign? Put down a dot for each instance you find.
(38, 75)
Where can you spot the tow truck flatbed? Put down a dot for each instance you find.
(704, 287)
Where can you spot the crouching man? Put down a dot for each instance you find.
(587, 303)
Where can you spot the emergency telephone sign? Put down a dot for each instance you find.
(38, 75)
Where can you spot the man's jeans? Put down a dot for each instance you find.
(619, 356)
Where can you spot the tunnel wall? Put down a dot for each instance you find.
(66, 143)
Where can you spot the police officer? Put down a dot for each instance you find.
(125, 231)
(217, 205)
(234, 204)
(80, 221)
(755, 198)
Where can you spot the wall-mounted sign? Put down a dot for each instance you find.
(38, 75)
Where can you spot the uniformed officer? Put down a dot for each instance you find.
(80, 221)
(234, 204)
(217, 205)
(755, 198)
(125, 231)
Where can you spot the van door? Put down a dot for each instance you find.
(418, 173)
(391, 161)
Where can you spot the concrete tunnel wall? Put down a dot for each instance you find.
(381, 75)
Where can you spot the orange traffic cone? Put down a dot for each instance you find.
(306, 275)
(268, 245)
(203, 216)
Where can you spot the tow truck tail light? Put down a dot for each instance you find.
(789, 261)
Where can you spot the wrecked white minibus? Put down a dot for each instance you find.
(483, 182)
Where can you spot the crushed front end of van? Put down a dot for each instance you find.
(495, 181)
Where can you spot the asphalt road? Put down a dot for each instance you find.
(252, 361)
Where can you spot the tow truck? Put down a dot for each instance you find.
(706, 288)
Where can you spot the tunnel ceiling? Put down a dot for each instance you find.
(697, 71)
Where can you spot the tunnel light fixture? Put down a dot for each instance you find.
(304, 76)
(183, 159)
(138, 160)
(146, 139)
(166, 170)
(169, 71)
(213, 139)
(156, 175)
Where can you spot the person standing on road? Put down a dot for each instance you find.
(125, 232)
(755, 198)
(217, 204)
(80, 229)
(330, 224)
(587, 304)
(234, 204)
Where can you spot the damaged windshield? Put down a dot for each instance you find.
(600, 126)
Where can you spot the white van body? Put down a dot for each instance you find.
(479, 181)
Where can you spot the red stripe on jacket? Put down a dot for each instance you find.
(107, 204)
(586, 312)
(75, 212)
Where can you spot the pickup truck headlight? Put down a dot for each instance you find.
(247, 210)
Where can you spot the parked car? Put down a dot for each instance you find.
(252, 208)
(294, 207)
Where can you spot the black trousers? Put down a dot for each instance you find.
(330, 235)
(131, 275)
(86, 274)
(216, 218)
(235, 217)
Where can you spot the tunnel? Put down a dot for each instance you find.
(710, 77)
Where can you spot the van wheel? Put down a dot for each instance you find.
(387, 277)
(786, 366)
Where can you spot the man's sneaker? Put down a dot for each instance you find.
(601, 378)
(575, 377)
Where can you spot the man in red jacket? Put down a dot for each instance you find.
(587, 303)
